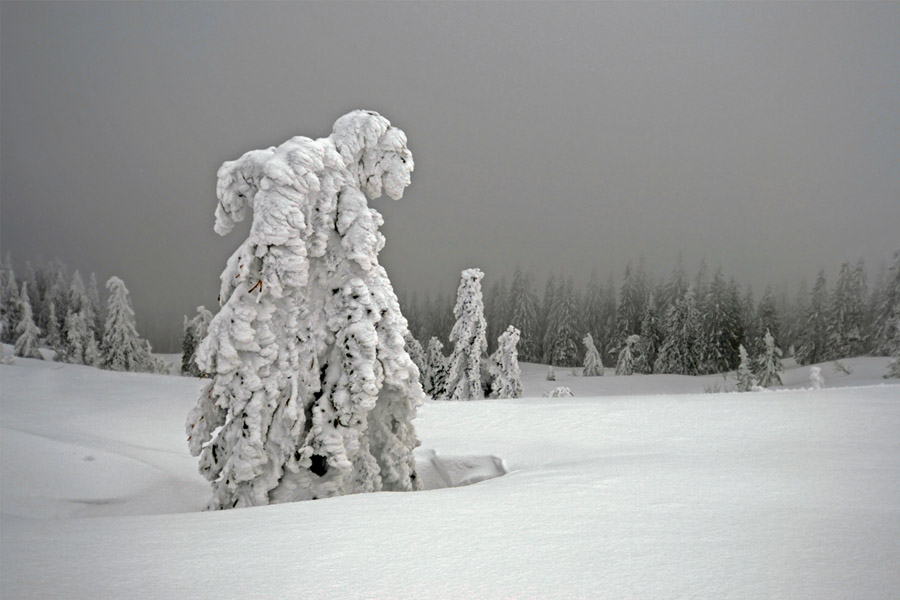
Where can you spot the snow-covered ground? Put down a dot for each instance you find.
(638, 487)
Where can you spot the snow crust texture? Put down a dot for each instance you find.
(312, 393)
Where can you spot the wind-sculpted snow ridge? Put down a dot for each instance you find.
(312, 393)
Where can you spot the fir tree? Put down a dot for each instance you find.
(560, 345)
(767, 319)
(505, 373)
(94, 300)
(593, 364)
(77, 338)
(122, 349)
(721, 327)
(27, 333)
(468, 337)
(525, 314)
(547, 325)
(195, 331)
(680, 350)
(894, 365)
(497, 312)
(417, 355)
(745, 380)
(845, 316)
(650, 341)
(52, 335)
(813, 340)
(312, 393)
(630, 307)
(12, 312)
(768, 368)
(887, 311)
(625, 364)
(438, 369)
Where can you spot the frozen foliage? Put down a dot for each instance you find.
(79, 347)
(625, 365)
(195, 331)
(768, 368)
(813, 338)
(680, 351)
(816, 381)
(468, 337)
(559, 392)
(525, 315)
(505, 373)
(52, 336)
(436, 374)
(27, 333)
(122, 349)
(551, 374)
(887, 312)
(9, 303)
(894, 366)
(560, 339)
(417, 355)
(745, 379)
(593, 364)
(312, 393)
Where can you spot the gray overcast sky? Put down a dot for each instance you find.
(765, 137)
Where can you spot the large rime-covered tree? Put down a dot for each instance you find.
(845, 314)
(593, 364)
(768, 364)
(468, 339)
(721, 327)
(56, 291)
(438, 369)
(27, 333)
(505, 374)
(195, 330)
(680, 351)
(79, 346)
(812, 344)
(311, 391)
(122, 349)
(524, 316)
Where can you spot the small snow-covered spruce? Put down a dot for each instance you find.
(77, 338)
(625, 366)
(195, 331)
(560, 392)
(417, 355)
(593, 364)
(745, 380)
(768, 370)
(122, 349)
(436, 374)
(52, 335)
(505, 373)
(816, 381)
(27, 333)
(551, 374)
(311, 393)
(468, 337)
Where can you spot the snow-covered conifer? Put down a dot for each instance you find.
(10, 302)
(813, 339)
(551, 374)
(845, 315)
(651, 339)
(894, 365)
(52, 335)
(559, 392)
(680, 352)
(77, 336)
(27, 333)
(468, 337)
(505, 374)
(436, 375)
(312, 393)
(524, 316)
(593, 364)
(816, 381)
(721, 327)
(887, 310)
(768, 370)
(745, 380)
(625, 364)
(122, 349)
(417, 355)
(560, 341)
(195, 331)
(93, 295)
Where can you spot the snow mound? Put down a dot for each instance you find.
(437, 472)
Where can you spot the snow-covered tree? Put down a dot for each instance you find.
(78, 339)
(52, 335)
(93, 295)
(560, 339)
(651, 339)
(845, 315)
(524, 316)
(593, 364)
(813, 339)
(9, 304)
(894, 344)
(680, 351)
(505, 374)
(625, 364)
(768, 367)
(887, 310)
(630, 310)
(497, 312)
(468, 338)
(122, 349)
(312, 393)
(195, 331)
(745, 380)
(816, 381)
(438, 369)
(721, 327)
(27, 333)
(417, 355)
(559, 392)
(551, 373)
